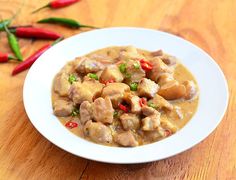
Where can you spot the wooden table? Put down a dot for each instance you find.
(25, 154)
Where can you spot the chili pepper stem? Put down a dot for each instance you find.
(45, 6)
(87, 26)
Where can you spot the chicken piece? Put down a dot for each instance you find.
(191, 90)
(86, 91)
(168, 60)
(62, 108)
(165, 78)
(157, 53)
(172, 90)
(147, 88)
(126, 139)
(134, 72)
(161, 103)
(103, 110)
(176, 113)
(130, 52)
(115, 91)
(98, 132)
(159, 67)
(133, 101)
(61, 84)
(130, 121)
(111, 72)
(152, 136)
(85, 65)
(152, 121)
(165, 124)
(85, 112)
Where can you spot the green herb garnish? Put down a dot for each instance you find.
(127, 75)
(115, 114)
(93, 76)
(75, 112)
(122, 68)
(151, 104)
(136, 65)
(72, 78)
(134, 86)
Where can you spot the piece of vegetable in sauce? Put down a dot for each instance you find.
(115, 114)
(75, 112)
(93, 76)
(122, 67)
(123, 108)
(136, 65)
(72, 78)
(142, 102)
(151, 104)
(134, 86)
(71, 124)
(146, 66)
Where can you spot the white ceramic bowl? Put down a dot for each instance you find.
(211, 81)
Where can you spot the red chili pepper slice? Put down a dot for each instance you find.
(147, 66)
(108, 81)
(142, 102)
(71, 124)
(167, 132)
(123, 108)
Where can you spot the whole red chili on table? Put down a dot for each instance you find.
(57, 4)
(30, 60)
(4, 57)
(32, 32)
(146, 65)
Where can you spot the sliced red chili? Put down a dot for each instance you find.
(108, 81)
(146, 66)
(142, 102)
(71, 124)
(123, 108)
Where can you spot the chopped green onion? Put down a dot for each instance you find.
(136, 65)
(93, 76)
(134, 86)
(151, 104)
(115, 114)
(75, 112)
(72, 78)
(127, 75)
(122, 68)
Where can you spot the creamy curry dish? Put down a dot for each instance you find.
(124, 96)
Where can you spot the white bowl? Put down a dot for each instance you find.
(211, 81)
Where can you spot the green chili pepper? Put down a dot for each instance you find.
(151, 104)
(93, 76)
(72, 78)
(12, 40)
(75, 112)
(136, 65)
(134, 86)
(3, 23)
(64, 21)
(122, 68)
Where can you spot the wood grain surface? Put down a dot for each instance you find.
(25, 154)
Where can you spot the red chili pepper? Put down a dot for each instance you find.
(123, 108)
(57, 4)
(147, 66)
(142, 102)
(108, 81)
(30, 60)
(5, 57)
(167, 132)
(71, 124)
(32, 32)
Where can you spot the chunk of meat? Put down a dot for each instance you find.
(172, 90)
(169, 60)
(103, 110)
(130, 121)
(126, 139)
(133, 100)
(165, 78)
(62, 108)
(98, 132)
(191, 90)
(85, 112)
(86, 91)
(152, 121)
(86, 65)
(111, 72)
(161, 103)
(130, 52)
(159, 67)
(61, 84)
(147, 88)
(134, 72)
(115, 91)
(157, 53)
